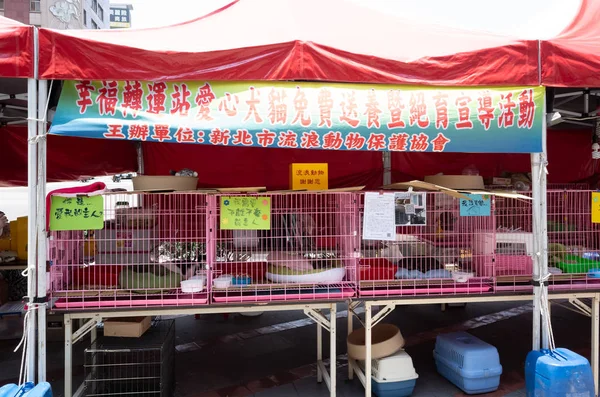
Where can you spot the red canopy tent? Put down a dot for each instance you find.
(572, 59)
(288, 40)
(292, 40)
(16, 49)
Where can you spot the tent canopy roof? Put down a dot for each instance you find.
(292, 40)
(16, 49)
(572, 59)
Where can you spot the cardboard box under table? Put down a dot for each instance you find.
(133, 327)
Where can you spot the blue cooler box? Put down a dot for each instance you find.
(393, 376)
(42, 389)
(468, 362)
(558, 373)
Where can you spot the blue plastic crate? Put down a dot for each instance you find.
(42, 389)
(558, 373)
(468, 362)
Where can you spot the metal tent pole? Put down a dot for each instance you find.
(387, 168)
(41, 230)
(31, 220)
(543, 226)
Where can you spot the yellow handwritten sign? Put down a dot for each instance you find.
(595, 207)
(309, 176)
(77, 213)
(245, 213)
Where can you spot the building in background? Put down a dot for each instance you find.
(120, 16)
(59, 14)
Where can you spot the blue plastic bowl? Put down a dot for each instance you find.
(241, 280)
(594, 273)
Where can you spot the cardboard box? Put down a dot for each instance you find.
(14, 236)
(132, 327)
(22, 236)
(501, 181)
(467, 182)
(4, 244)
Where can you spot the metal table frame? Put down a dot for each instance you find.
(388, 305)
(313, 310)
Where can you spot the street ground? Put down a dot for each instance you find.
(274, 354)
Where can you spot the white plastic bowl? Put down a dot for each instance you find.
(222, 281)
(192, 286)
(461, 277)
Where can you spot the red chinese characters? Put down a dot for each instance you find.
(325, 107)
(115, 131)
(310, 140)
(395, 106)
(507, 114)
(138, 132)
(376, 142)
(301, 107)
(288, 139)
(441, 110)
(526, 109)
(354, 141)
(180, 104)
(161, 132)
(419, 143)
(253, 102)
(464, 113)
(219, 137)
(418, 110)
(242, 137)
(485, 110)
(265, 138)
(350, 110)
(439, 143)
(185, 135)
(133, 95)
(333, 140)
(229, 104)
(156, 97)
(373, 110)
(203, 99)
(108, 98)
(84, 95)
(398, 142)
(277, 107)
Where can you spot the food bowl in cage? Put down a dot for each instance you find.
(462, 277)
(223, 281)
(175, 183)
(193, 285)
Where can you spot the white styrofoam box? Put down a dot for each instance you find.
(124, 246)
(485, 243)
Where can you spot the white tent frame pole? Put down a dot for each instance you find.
(41, 229)
(543, 182)
(30, 346)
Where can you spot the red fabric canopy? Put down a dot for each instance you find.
(331, 40)
(572, 59)
(16, 49)
(68, 158)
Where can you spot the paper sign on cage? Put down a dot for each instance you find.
(378, 218)
(77, 213)
(245, 213)
(309, 176)
(478, 205)
(595, 207)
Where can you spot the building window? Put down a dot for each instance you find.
(95, 6)
(94, 24)
(100, 12)
(1, 4)
(34, 6)
(84, 18)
